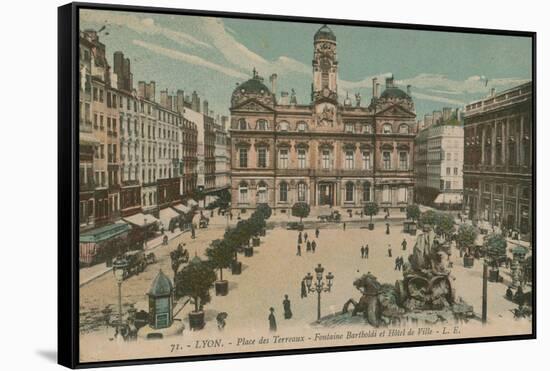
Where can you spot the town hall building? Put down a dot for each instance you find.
(325, 152)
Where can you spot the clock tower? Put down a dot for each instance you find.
(325, 67)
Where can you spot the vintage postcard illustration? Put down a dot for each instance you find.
(259, 185)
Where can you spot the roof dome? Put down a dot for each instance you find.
(162, 286)
(324, 33)
(252, 86)
(394, 92)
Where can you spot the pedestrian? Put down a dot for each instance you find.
(230, 215)
(396, 267)
(367, 251)
(286, 308)
(389, 251)
(272, 320)
(362, 214)
(387, 228)
(303, 292)
(193, 231)
(344, 226)
(299, 250)
(308, 246)
(316, 232)
(313, 246)
(404, 244)
(362, 252)
(300, 237)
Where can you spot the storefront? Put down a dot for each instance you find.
(103, 243)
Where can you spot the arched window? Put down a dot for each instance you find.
(387, 129)
(242, 124)
(262, 193)
(403, 129)
(367, 129)
(302, 189)
(243, 192)
(301, 126)
(283, 126)
(349, 192)
(262, 124)
(366, 192)
(283, 192)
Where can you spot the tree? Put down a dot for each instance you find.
(428, 217)
(413, 212)
(445, 223)
(466, 236)
(300, 210)
(264, 210)
(195, 281)
(220, 254)
(371, 209)
(496, 249)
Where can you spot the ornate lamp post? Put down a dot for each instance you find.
(319, 286)
(119, 271)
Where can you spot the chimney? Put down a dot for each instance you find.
(409, 89)
(446, 113)
(273, 80)
(164, 98)
(284, 98)
(493, 91)
(374, 83)
(377, 90)
(180, 100)
(141, 89)
(151, 91)
(169, 103)
(205, 107)
(195, 102)
(458, 114)
(436, 117)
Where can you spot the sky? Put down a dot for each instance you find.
(212, 55)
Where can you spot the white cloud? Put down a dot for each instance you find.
(141, 26)
(189, 58)
(437, 98)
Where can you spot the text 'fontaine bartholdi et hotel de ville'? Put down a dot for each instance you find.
(324, 152)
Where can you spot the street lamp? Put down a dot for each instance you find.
(319, 286)
(119, 271)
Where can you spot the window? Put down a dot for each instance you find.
(243, 157)
(449, 156)
(349, 192)
(283, 192)
(283, 126)
(243, 192)
(262, 157)
(366, 192)
(302, 158)
(447, 184)
(366, 160)
(242, 124)
(349, 160)
(283, 158)
(301, 126)
(386, 194)
(302, 188)
(262, 125)
(402, 195)
(403, 160)
(367, 129)
(448, 171)
(262, 193)
(386, 129)
(349, 128)
(455, 171)
(386, 159)
(403, 129)
(326, 159)
(441, 184)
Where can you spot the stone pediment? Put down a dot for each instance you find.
(252, 105)
(396, 110)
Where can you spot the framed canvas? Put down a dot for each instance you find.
(241, 185)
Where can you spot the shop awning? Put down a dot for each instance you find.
(104, 233)
(448, 198)
(182, 208)
(140, 220)
(166, 215)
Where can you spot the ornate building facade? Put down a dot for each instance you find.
(325, 152)
(498, 155)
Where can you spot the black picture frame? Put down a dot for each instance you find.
(68, 231)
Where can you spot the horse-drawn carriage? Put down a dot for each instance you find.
(333, 216)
